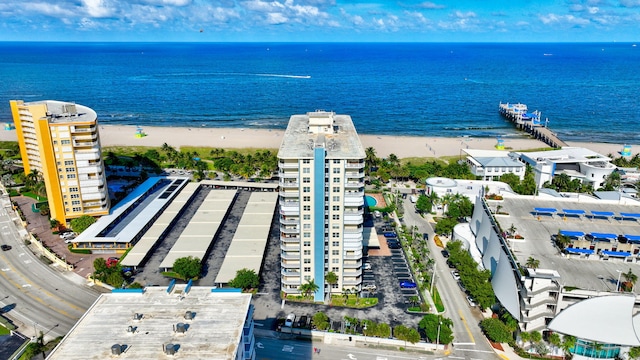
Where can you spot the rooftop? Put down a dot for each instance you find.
(565, 155)
(587, 274)
(338, 137)
(214, 332)
(62, 111)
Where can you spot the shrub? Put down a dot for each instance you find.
(496, 330)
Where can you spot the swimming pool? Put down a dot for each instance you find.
(370, 201)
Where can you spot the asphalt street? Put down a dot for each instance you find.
(469, 341)
(36, 296)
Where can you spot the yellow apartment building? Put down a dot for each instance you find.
(61, 141)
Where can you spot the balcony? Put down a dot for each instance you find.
(289, 184)
(290, 194)
(289, 272)
(290, 239)
(354, 185)
(290, 281)
(289, 221)
(288, 165)
(352, 165)
(289, 229)
(102, 203)
(89, 170)
(85, 143)
(288, 175)
(91, 182)
(76, 129)
(352, 281)
(352, 264)
(353, 220)
(290, 264)
(352, 255)
(353, 212)
(288, 247)
(88, 154)
(291, 255)
(86, 137)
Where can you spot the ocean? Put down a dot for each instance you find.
(588, 91)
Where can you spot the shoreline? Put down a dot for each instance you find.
(240, 138)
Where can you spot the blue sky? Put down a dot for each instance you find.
(320, 20)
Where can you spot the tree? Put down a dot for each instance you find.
(629, 276)
(512, 230)
(331, 278)
(423, 204)
(310, 287)
(383, 330)
(401, 332)
(187, 267)
(82, 223)
(430, 323)
(568, 343)
(532, 263)
(496, 330)
(321, 321)
(245, 279)
(634, 352)
(555, 340)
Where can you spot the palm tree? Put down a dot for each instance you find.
(308, 288)
(629, 276)
(525, 337)
(512, 230)
(532, 263)
(554, 339)
(370, 159)
(331, 278)
(568, 343)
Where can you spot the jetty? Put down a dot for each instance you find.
(530, 122)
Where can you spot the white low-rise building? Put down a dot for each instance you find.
(492, 164)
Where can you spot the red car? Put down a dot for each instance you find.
(112, 261)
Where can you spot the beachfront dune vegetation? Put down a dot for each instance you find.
(204, 162)
(412, 169)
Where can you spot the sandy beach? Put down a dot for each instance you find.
(235, 138)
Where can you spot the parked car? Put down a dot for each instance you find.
(445, 253)
(370, 287)
(471, 302)
(455, 275)
(67, 235)
(5, 247)
(394, 246)
(367, 266)
(112, 261)
(390, 234)
(425, 236)
(288, 322)
(408, 285)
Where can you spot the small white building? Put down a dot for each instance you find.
(578, 163)
(491, 164)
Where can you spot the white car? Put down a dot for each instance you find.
(455, 274)
(471, 302)
(367, 266)
(68, 235)
(289, 320)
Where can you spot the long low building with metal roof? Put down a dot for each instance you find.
(131, 218)
(139, 253)
(250, 239)
(196, 238)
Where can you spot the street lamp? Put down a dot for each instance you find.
(433, 277)
(364, 331)
(438, 336)
(618, 282)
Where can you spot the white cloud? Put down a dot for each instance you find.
(430, 5)
(562, 19)
(417, 17)
(168, 2)
(464, 15)
(98, 8)
(276, 18)
(47, 9)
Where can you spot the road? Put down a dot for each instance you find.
(469, 341)
(35, 295)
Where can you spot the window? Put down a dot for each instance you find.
(306, 198)
(306, 226)
(306, 208)
(307, 269)
(306, 161)
(306, 243)
(65, 142)
(335, 252)
(306, 180)
(336, 198)
(307, 235)
(306, 170)
(335, 226)
(335, 235)
(307, 252)
(71, 176)
(335, 243)
(73, 189)
(306, 217)
(306, 189)
(336, 217)
(336, 161)
(75, 202)
(307, 277)
(335, 261)
(336, 207)
(307, 261)
(55, 142)
(69, 169)
(336, 189)
(76, 209)
(336, 180)
(68, 162)
(334, 286)
(336, 170)
(335, 269)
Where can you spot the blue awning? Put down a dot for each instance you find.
(631, 215)
(602, 213)
(573, 212)
(571, 233)
(633, 238)
(579, 251)
(545, 210)
(615, 253)
(608, 236)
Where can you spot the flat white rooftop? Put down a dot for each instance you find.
(214, 332)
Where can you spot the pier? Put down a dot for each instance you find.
(530, 122)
